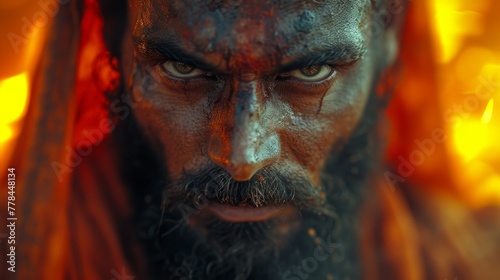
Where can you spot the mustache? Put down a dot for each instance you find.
(268, 187)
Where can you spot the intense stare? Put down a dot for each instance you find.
(256, 116)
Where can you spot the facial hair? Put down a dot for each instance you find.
(254, 250)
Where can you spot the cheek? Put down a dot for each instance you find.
(310, 138)
(174, 124)
(308, 141)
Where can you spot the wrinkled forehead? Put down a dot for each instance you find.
(266, 30)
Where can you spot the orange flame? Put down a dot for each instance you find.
(466, 52)
(13, 101)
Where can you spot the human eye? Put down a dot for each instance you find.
(313, 73)
(180, 70)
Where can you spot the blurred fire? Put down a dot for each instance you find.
(468, 52)
(454, 21)
(13, 97)
(21, 60)
(467, 49)
(13, 101)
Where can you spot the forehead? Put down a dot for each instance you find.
(263, 31)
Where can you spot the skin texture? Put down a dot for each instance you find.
(223, 98)
(247, 117)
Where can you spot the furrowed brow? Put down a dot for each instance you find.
(169, 50)
(336, 55)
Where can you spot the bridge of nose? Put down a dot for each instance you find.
(243, 144)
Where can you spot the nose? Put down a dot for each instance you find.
(241, 142)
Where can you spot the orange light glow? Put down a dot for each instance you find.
(488, 112)
(471, 137)
(469, 61)
(13, 97)
(16, 75)
(454, 21)
(13, 100)
(465, 48)
(6, 133)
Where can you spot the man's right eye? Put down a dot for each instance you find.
(180, 70)
(313, 73)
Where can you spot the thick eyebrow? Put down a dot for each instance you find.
(340, 54)
(165, 49)
(169, 50)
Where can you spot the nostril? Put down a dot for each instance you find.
(218, 154)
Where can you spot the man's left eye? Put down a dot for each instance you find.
(313, 73)
(181, 70)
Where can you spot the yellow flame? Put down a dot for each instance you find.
(453, 23)
(490, 190)
(6, 133)
(13, 97)
(13, 100)
(470, 138)
(488, 112)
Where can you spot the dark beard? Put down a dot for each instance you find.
(223, 250)
(217, 248)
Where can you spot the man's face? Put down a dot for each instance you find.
(252, 89)
(246, 85)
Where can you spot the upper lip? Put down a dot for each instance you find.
(242, 213)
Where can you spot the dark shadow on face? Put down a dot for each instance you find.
(249, 85)
(205, 247)
(207, 138)
(266, 188)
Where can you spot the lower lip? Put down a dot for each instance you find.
(244, 213)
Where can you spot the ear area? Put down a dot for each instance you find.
(391, 14)
(391, 47)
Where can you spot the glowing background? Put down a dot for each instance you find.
(467, 47)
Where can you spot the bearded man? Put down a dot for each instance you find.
(225, 140)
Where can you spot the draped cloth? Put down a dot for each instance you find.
(75, 217)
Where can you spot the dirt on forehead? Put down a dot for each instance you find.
(232, 32)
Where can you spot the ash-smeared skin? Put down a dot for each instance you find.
(245, 121)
